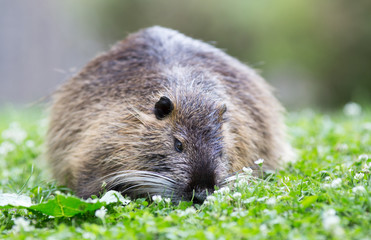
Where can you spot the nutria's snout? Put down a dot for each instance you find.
(200, 194)
(203, 181)
(134, 184)
(146, 184)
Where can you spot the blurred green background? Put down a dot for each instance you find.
(315, 53)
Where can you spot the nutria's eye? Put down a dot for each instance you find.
(178, 145)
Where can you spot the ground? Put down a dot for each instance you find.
(325, 194)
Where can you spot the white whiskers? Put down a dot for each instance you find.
(141, 183)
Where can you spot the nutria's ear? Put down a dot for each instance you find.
(163, 107)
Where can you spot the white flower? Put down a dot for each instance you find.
(278, 220)
(167, 200)
(188, 211)
(209, 199)
(358, 176)
(101, 213)
(157, 198)
(270, 213)
(367, 126)
(14, 200)
(342, 147)
(271, 201)
(238, 212)
(22, 224)
(247, 170)
(330, 220)
(249, 200)
(6, 147)
(88, 235)
(262, 199)
(336, 183)
(236, 195)
(30, 144)
(241, 182)
(259, 161)
(114, 196)
(14, 133)
(366, 167)
(359, 189)
(263, 229)
(223, 190)
(363, 157)
(352, 109)
(227, 198)
(90, 200)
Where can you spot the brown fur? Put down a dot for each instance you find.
(102, 120)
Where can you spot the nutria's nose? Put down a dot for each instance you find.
(200, 195)
(203, 179)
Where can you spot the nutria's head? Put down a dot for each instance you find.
(176, 149)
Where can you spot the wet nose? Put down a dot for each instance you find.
(200, 195)
(203, 178)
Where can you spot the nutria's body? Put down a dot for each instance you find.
(215, 116)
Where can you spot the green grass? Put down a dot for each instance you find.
(325, 194)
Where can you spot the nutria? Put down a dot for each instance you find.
(162, 113)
